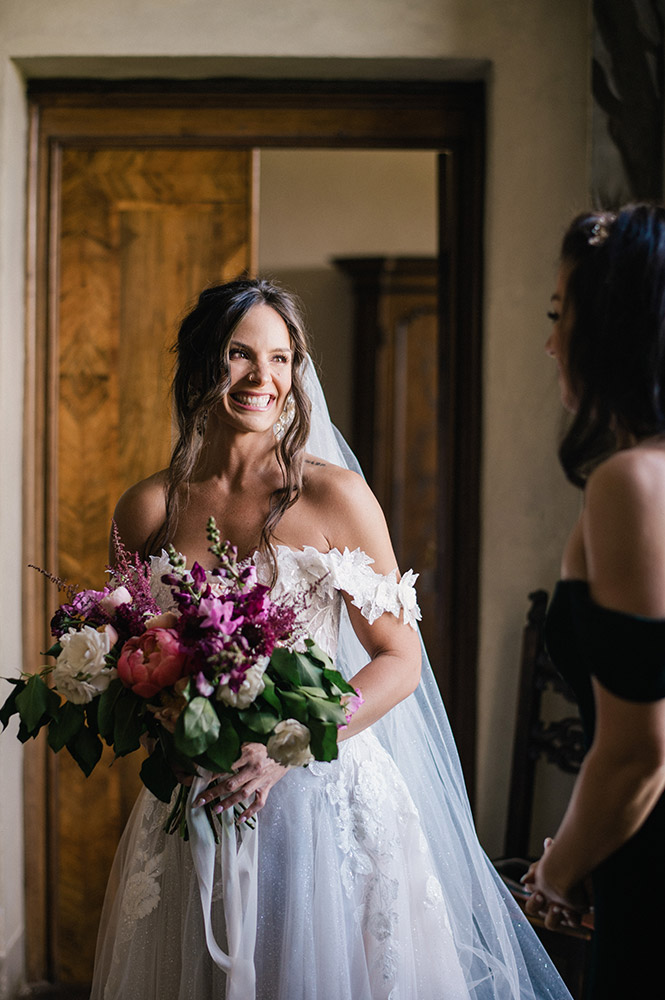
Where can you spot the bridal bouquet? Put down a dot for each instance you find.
(227, 666)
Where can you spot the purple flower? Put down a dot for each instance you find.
(203, 685)
(218, 615)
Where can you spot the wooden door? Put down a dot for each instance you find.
(141, 233)
(139, 128)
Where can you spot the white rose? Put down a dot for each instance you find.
(81, 672)
(252, 686)
(289, 744)
(113, 600)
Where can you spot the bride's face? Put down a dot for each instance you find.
(260, 360)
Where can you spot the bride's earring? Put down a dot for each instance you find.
(285, 418)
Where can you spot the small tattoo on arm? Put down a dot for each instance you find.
(311, 461)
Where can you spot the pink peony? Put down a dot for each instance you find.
(152, 661)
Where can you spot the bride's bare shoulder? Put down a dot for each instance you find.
(344, 504)
(323, 481)
(141, 510)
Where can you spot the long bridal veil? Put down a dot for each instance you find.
(500, 954)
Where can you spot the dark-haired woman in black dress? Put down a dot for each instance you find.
(606, 623)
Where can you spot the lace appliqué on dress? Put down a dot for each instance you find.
(142, 890)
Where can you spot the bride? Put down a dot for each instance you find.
(371, 883)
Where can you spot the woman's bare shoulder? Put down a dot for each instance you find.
(141, 510)
(326, 483)
(350, 513)
(634, 476)
(624, 531)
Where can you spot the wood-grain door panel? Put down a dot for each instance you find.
(141, 233)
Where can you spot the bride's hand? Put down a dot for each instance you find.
(254, 774)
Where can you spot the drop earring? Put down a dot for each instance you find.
(285, 419)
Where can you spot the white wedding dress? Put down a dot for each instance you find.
(372, 884)
(359, 897)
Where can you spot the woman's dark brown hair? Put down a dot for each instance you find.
(201, 379)
(615, 355)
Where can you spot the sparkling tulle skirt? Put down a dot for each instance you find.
(351, 906)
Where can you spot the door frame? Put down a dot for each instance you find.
(446, 117)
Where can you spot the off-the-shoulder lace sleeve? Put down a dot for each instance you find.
(371, 592)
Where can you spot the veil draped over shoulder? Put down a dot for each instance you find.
(500, 954)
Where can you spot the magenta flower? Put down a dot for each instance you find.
(218, 614)
(152, 661)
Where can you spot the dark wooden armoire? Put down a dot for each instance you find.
(397, 382)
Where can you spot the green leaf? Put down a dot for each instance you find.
(86, 749)
(65, 726)
(10, 707)
(106, 708)
(224, 752)
(336, 680)
(269, 694)
(309, 671)
(295, 705)
(327, 711)
(283, 663)
(317, 653)
(259, 722)
(198, 727)
(157, 775)
(128, 724)
(313, 692)
(323, 740)
(36, 703)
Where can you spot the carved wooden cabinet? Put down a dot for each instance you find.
(395, 410)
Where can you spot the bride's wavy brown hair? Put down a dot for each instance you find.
(202, 379)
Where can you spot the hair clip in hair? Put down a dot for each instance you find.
(599, 232)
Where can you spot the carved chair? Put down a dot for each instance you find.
(560, 743)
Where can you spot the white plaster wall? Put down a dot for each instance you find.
(12, 172)
(319, 204)
(537, 52)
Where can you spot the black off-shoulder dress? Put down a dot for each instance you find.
(626, 654)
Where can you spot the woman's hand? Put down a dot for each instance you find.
(555, 905)
(253, 774)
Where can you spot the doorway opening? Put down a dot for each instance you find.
(151, 131)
